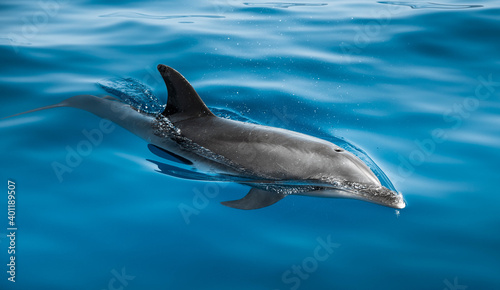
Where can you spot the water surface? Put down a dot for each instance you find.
(415, 85)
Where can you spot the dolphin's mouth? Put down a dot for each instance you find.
(370, 192)
(378, 194)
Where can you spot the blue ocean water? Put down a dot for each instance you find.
(414, 84)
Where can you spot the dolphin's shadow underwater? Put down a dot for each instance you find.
(274, 162)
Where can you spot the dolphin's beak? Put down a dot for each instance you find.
(374, 194)
(400, 202)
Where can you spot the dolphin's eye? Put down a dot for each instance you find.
(338, 150)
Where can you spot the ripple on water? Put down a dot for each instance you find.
(282, 4)
(429, 5)
(136, 15)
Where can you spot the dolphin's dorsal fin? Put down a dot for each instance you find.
(182, 98)
(255, 199)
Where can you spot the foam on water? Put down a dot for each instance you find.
(134, 93)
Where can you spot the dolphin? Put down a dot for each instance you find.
(274, 162)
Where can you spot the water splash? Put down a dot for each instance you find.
(134, 93)
(429, 5)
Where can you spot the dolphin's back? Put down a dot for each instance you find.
(266, 151)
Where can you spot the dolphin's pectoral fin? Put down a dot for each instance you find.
(255, 199)
(160, 152)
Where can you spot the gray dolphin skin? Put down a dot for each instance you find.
(274, 162)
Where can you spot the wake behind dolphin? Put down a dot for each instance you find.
(274, 162)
